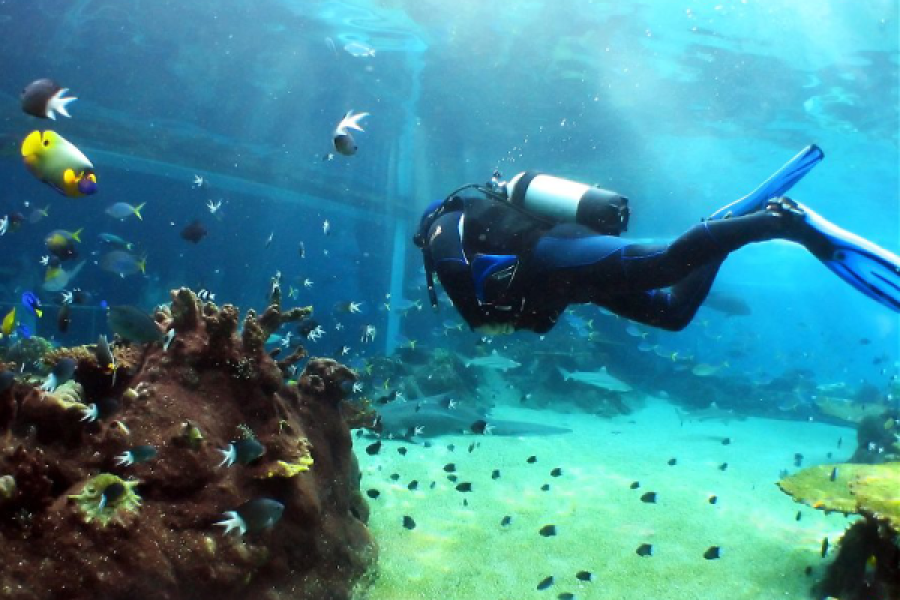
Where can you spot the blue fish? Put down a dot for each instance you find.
(32, 303)
(242, 452)
(253, 516)
(136, 455)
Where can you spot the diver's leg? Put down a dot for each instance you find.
(672, 310)
(595, 266)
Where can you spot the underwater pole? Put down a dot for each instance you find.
(406, 161)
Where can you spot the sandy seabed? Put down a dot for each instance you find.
(463, 552)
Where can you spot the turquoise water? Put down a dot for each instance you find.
(683, 107)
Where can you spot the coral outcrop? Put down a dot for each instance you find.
(867, 566)
(76, 524)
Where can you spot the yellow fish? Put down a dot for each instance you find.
(60, 239)
(58, 163)
(9, 322)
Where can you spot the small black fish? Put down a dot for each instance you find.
(479, 426)
(44, 98)
(839, 442)
(566, 596)
(408, 522)
(453, 478)
(450, 468)
(395, 476)
(799, 516)
(465, 502)
(433, 483)
(672, 462)
(713, 499)
(824, 547)
(712, 553)
(531, 460)
(471, 447)
(373, 449)
(194, 232)
(413, 485)
(584, 575)
(798, 459)
(301, 249)
(545, 583)
(548, 530)
(505, 521)
(645, 550)
(495, 474)
(723, 466)
(833, 475)
(401, 450)
(808, 571)
(726, 441)
(451, 447)
(635, 485)
(113, 492)
(464, 487)
(556, 472)
(545, 487)
(373, 493)
(649, 498)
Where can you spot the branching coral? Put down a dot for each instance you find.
(84, 356)
(107, 498)
(185, 310)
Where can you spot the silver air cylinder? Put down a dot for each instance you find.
(563, 200)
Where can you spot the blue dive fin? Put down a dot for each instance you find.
(868, 267)
(777, 185)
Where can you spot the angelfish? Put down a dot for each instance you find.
(342, 139)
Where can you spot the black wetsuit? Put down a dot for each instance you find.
(500, 265)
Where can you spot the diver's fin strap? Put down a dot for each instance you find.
(485, 265)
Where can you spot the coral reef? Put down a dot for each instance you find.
(867, 566)
(876, 438)
(75, 524)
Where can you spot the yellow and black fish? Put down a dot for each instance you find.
(9, 322)
(58, 163)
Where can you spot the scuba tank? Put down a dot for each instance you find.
(563, 200)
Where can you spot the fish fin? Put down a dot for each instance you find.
(58, 104)
(77, 235)
(137, 210)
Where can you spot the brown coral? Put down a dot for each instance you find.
(327, 379)
(186, 402)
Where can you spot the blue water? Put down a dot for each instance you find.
(683, 107)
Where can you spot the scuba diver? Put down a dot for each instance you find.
(513, 255)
